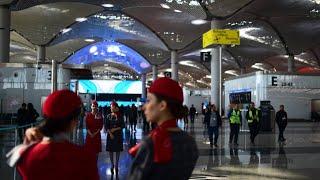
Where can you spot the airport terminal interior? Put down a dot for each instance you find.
(225, 53)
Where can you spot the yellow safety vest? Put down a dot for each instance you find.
(253, 117)
(235, 117)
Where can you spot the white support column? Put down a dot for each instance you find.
(154, 72)
(174, 66)
(215, 71)
(144, 92)
(54, 79)
(242, 71)
(41, 54)
(291, 63)
(5, 20)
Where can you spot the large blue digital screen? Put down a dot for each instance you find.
(110, 87)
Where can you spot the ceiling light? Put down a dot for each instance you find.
(108, 5)
(66, 30)
(165, 6)
(198, 22)
(89, 40)
(93, 49)
(177, 11)
(81, 19)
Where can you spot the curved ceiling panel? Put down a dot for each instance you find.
(44, 22)
(223, 8)
(293, 28)
(108, 51)
(155, 56)
(111, 26)
(61, 51)
(174, 28)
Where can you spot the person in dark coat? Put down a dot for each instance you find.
(113, 125)
(133, 115)
(192, 112)
(51, 155)
(22, 120)
(213, 122)
(168, 152)
(32, 114)
(282, 121)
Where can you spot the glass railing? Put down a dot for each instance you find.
(9, 138)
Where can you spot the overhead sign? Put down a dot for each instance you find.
(220, 37)
(205, 56)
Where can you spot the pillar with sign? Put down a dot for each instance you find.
(215, 38)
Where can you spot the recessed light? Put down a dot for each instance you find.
(198, 22)
(177, 11)
(89, 40)
(108, 5)
(81, 19)
(165, 6)
(66, 30)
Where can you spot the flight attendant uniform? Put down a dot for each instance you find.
(168, 152)
(94, 124)
(55, 157)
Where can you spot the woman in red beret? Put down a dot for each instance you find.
(168, 152)
(114, 124)
(94, 123)
(54, 156)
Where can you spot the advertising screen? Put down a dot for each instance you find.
(110, 87)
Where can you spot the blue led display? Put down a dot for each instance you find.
(110, 52)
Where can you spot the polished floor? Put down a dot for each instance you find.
(299, 158)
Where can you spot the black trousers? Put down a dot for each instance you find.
(281, 131)
(254, 130)
(234, 133)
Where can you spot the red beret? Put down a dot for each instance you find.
(114, 104)
(95, 103)
(61, 104)
(168, 88)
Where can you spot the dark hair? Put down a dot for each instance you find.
(50, 127)
(24, 105)
(175, 107)
(30, 106)
(282, 106)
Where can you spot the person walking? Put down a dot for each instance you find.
(282, 121)
(213, 122)
(192, 112)
(235, 120)
(253, 117)
(133, 117)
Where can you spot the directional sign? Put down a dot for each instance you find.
(220, 37)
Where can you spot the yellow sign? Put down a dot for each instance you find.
(221, 37)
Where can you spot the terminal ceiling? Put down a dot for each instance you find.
(269, 29)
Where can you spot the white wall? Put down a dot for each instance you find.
(27, 84)
(296, 97)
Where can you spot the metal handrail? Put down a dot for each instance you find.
(13, 127)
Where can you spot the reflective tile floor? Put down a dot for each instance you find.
(299, 158)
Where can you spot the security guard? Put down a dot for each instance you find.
(253, 117)
(235, 123)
